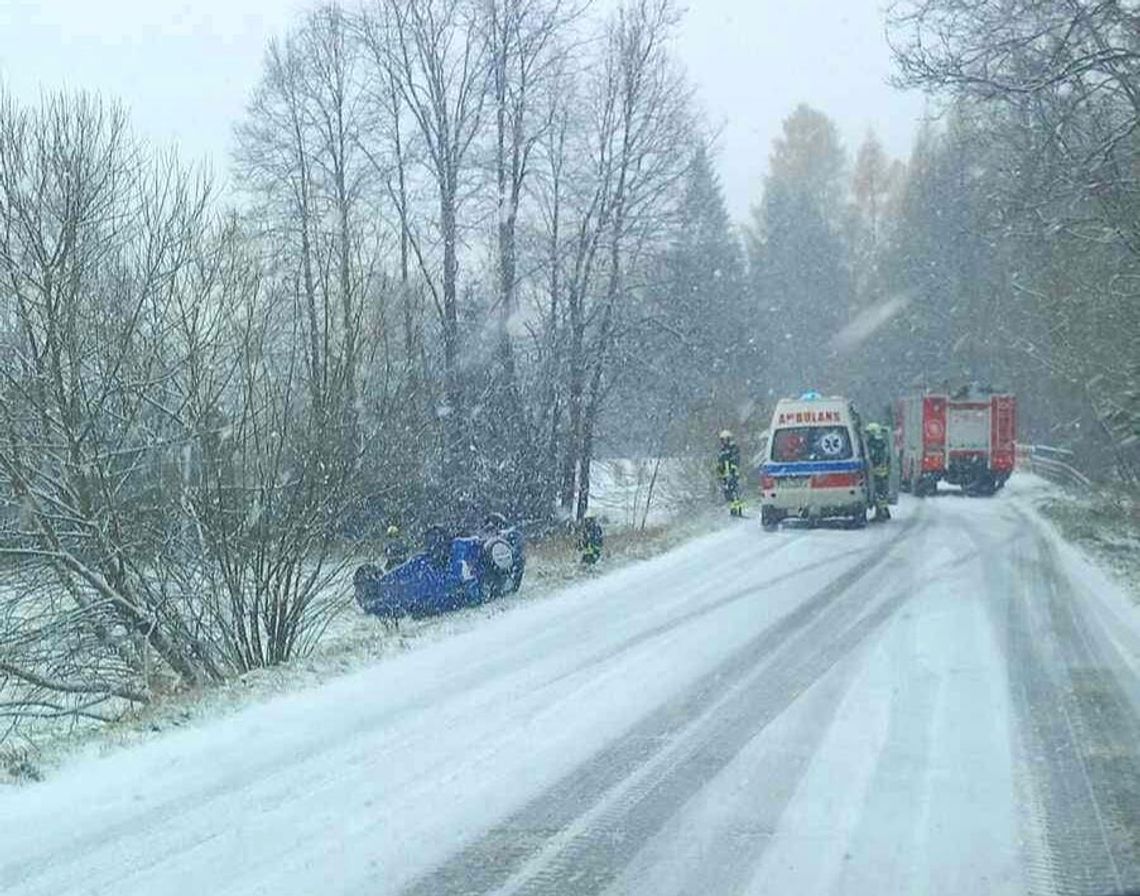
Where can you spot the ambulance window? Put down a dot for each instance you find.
(808, 443)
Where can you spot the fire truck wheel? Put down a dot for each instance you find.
(982, 487)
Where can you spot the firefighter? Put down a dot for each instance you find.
(590, 540)
(395, 548)
(728, 471)
(879, 454)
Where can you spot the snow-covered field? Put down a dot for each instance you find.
(945, 704)
(628, 491)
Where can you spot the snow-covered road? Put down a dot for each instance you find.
(946, 704)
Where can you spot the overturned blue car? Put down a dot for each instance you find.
(451, 572)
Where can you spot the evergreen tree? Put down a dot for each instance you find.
(698, 360)
(876, 181)
(705, 271)
(799, 265)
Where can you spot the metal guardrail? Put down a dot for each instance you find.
(1049, 463)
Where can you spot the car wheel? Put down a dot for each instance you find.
(498, 567)
(500, 554)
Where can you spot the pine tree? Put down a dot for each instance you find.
(697, 359)
(876, 181)
(799, 262)
(706, 279)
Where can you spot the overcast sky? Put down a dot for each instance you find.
(185, 69)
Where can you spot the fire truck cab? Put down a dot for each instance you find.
(965, 438)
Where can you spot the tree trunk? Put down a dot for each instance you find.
(316, 376)
(349, 409)
(577, 384)
(402, 211)
(589, 419)
(450, 325)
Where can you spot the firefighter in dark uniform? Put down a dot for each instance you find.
(590, 540)
(879, 455)
(728, 471)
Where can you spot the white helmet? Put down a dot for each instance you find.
(725, 435)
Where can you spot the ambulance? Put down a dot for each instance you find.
(814, 466)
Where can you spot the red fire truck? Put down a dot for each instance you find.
(965, 438)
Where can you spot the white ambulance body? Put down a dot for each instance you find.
(815, 463)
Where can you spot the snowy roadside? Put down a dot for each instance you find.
(1110, 538)
(1104, 526)
(354, 641)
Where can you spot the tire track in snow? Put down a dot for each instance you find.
(1087, 733)
(1077, 735)
(580, 834)
(594, 858)
(705, 609)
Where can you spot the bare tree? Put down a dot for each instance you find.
(335, 99)
(1068, 70)
(275, 157)
(525, 59)
(388, 118)
(94, 241)
(548, 331)
(299, 149)
(643, 131)
(264, 495)
(435, 52)
(166, 485)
